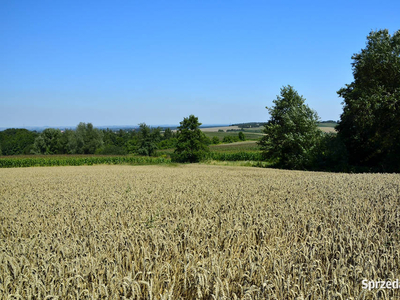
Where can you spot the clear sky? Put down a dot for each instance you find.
(127, 62)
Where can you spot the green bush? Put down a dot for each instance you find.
(230, 139)
(215, 140)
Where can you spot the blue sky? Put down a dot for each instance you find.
(127, 62)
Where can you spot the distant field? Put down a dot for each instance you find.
(255, 129)
(325, 127)
(196, 232)
(238, 146)
(330, 124)
(215, 129)
(221, 135)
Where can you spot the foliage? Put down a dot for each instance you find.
(168, 143)
(330, 154)
(230, 139)
(119, 138)
(112, 150)
(148, 139)
(215, 140)
(168, 134)
(192, 144)
(370, 122)
(34, 161)
(242, 137)
(88, 138)
(17, 141)
(291, 133)
(48, 142)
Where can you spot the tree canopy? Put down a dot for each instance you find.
(292, 132)
(16, 141)
(370, 122)
(148, 139)
(192, 144)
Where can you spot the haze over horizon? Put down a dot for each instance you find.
(157, 62)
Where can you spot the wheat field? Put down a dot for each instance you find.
(196, 232)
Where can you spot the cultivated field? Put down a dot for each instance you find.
(215, 129)
(196, 232)
(325, 127)
(328, 129)
(236, 147)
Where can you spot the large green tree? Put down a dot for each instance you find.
(88, 139)
(192, 144)
(48, 142)
(292, 133)
(370, 122)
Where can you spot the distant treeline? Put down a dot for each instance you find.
(249, 124)
(86, 139)
(329, 121)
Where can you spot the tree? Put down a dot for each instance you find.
(292, 133)
(48, 142)
(168, 134)
(148, 139)
(17, 141)
(242, 136)
(370, 122)
(192, 144)
(88, 138)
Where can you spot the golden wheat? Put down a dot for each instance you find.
(196, 232)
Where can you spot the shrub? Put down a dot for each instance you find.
(241, 136)
(215, 140)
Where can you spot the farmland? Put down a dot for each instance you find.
(221, 135)
(196, 232)
(254, 133)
